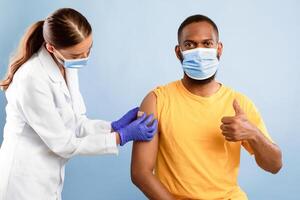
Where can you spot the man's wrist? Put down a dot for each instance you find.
(254, 135)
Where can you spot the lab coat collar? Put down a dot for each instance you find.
(50, 65)
(52, 69)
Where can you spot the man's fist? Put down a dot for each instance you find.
(237, 128)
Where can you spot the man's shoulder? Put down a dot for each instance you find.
(166, 87)
(241, 97)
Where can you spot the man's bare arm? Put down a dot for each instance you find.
(267, 155)
(144, 158)
(239, 128)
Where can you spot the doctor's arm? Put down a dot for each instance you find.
(86, 126)
(144, 158)
(35, 100)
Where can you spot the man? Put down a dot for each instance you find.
(202, 126)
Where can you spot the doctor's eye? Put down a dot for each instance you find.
(89, 52)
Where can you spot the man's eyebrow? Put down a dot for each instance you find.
(208, 40)
(204, 40)
(192, 41)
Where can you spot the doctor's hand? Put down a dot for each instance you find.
(237, 128)
(125, 120)
(140, 129)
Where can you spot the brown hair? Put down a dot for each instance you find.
(64, 28)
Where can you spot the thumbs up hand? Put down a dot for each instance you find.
(237, 128)
(237, 108)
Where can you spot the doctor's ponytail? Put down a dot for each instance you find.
(62, 29)
(30, 44)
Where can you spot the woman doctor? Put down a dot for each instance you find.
(46, 123)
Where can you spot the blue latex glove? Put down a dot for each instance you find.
(125, 120)
(138, 130)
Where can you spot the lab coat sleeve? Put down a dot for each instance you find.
(86, 126)
(35, 100)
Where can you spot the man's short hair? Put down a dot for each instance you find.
(197, 18)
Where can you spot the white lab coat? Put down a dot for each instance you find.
(45, 126)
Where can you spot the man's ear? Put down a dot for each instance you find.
(219, 50)
(178, 53)
(49, 47)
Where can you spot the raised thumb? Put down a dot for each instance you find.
(237, 108)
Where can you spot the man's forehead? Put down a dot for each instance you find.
(198, 31)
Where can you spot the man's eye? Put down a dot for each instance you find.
(189, 45)
(208, 44)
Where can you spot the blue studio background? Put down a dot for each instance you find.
(134, 52)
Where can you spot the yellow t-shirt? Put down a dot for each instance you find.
(194, 161)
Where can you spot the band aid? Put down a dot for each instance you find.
(140, 113)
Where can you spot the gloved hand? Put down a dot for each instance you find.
(125, 120)
(138, 130)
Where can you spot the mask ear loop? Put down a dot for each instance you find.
(217, 51)
(63, 58)
(60, 60)
(180, 51)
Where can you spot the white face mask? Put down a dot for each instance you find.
(73, 63)
(200, 63)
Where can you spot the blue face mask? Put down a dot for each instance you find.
(76, 63)
(73, 63)
(200, 63)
